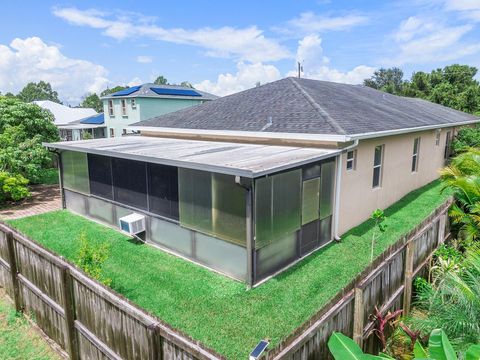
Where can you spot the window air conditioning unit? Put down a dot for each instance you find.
(132, 224)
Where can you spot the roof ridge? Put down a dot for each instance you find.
(318, 108)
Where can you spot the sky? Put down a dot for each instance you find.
(222, 47)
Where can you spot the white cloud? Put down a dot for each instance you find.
(244, 44)
(316, 65)
(421, 40)
(247, 76)
(135, 81)
(143, 59)
(469, 9)
(309, 22)
(31, 59)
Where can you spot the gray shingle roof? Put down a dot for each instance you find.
(145, 91)
(293, 105)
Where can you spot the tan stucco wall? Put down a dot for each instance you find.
(358, 199)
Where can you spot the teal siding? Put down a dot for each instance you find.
(146, 108)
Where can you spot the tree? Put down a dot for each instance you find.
(186, 84)
(161, 80)
(38, 91)
(92, 101)
(23, 128)
(108, 91)
(388, 80)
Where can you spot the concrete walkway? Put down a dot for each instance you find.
(44, 198)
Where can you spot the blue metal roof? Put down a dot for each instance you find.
(177, 92)
(127, 91)
(94, 120)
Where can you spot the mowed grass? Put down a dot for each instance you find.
(218, 311)
(18, 340)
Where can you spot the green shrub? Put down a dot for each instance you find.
(92, 257)
(12, 187)
(466, 138)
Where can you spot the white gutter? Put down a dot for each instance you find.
(376, 134)
(338, 182)
(250, 134)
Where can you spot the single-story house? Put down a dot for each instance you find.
(141, 102)
(93, 125)
(250, 183)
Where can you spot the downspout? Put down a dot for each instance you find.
(338, 182)
(60, 176)
(249, 228)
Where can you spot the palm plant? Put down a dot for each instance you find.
(462, 176)
(453, 303)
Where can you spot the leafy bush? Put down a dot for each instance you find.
(467, 137)
(12, 187)
(92, 257)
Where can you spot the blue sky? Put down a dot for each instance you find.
(227, 46)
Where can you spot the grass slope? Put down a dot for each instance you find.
(218, 311)
(18, 340)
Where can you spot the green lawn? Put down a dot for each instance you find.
(18, 340)
(218, 311)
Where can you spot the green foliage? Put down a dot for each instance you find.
(12, 187)
(48, 176)
(467, 137)
(92, 101)
(214, 309)
(91, 258)
(86, 135)
(453, 86)
(439, 348)
(38, 91)
(378, 216)
(112, 90)
(161, 80)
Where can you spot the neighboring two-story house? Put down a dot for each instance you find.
(142, 102)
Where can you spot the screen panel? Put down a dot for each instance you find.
(276, 255)
(263, 211)
(75, 171)
(130, 182)
(163, 190)
(195, 199)
(100, 174)
(325, 233)
(171, 236)
(229, 209)
(327, 180)
(310, 200)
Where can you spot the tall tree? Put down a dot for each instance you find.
(38, 91)
(108, 91)
(186, 84)
(92, 101)
(161, 80)
(389, 80)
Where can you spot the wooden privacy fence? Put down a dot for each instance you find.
(386, 283)
(86, 319)
(90, 321)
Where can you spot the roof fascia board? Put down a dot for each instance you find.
(255, 134)
(376, 134)
(187, 164)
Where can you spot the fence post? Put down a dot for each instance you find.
(407, 285)
(67, 288)
(13, 270)
(441, 229)
(358, 317)
(155, 343)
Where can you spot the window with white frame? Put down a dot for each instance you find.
(133, 103)
(351, 159)
(124, 107)
(448, 143)
(112, 132)
(416, 151)
(110, 108)
(377, 166)
(437, 137)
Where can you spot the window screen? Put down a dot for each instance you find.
(377, 166)
(310, 200)
(277, 206)
(416, 150)
(212, 203)
(351, 159)
(163, 190)
(100, 173)
(75, 171)
(327, 181)
(130, 182)
(195, 196)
